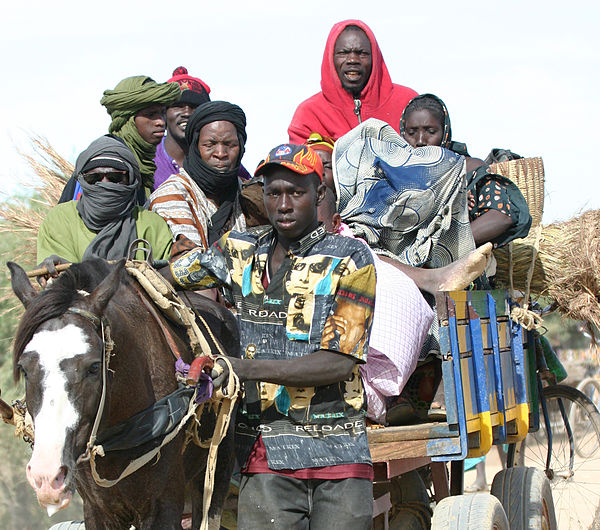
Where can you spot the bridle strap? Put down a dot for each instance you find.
(88, 315)
(102, 326)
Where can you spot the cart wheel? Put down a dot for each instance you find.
(527, 498)
(480, 511)
(574, 479)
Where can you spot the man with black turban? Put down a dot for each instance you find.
(137, 109)
(202, 201)
(105, 220)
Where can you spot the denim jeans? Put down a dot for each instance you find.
(268, 500)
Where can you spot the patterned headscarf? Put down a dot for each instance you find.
(131, 95)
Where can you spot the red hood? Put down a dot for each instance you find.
(331, 111)
(379, 86)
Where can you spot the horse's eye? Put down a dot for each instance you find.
(22, 370)
(94, 369)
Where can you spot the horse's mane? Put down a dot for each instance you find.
(55, 300)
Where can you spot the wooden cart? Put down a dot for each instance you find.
(491, 398)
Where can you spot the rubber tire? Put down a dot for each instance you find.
(526, 496)
(579, 491)
(480, 511)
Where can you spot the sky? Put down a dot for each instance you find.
(521, 75)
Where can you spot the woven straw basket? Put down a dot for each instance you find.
(528, 175)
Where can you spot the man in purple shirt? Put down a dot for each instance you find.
(173, 147)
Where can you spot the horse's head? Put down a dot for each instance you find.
(59, 352)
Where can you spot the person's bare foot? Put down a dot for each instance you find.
(461, 273)
(453, 277)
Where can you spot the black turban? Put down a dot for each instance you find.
(223, 186)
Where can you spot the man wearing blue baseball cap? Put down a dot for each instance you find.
(304, 301)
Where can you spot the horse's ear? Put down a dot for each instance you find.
(20, 283)
(102, 294)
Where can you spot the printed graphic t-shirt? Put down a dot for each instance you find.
(322, 297)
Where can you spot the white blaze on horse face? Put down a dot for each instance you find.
(57, 413)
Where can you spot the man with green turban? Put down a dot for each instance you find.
(137, 106)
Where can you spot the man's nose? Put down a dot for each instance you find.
(285, 204)
(353, 58)
(421, 139)
(187, 111)
(220, 151)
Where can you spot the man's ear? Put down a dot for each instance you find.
(321, 191)
(336, 222)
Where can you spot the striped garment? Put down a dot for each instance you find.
(187, 210)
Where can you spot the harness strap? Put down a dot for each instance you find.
(97, 321)
(166, 333)
(107, 346)
(141, 461)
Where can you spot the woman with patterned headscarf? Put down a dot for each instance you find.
(425, 121)
(137, 108)
(498, 211)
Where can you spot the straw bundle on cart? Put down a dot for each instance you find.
(566, 265)
(560, 260)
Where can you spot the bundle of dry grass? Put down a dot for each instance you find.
(567, 266)
(23, 216)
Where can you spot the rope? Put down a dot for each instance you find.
(224, 399)
(169, 302)
(22, 422)
(526, 318)
(522, 315)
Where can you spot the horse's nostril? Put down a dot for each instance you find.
(59, 480)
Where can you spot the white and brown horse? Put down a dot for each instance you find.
(59, 349)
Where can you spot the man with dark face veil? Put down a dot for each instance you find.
(106, 220)
(201, 202)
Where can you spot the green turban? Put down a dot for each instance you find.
(131, 95)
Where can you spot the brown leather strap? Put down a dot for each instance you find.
(165, 330)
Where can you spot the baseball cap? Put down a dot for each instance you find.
(300, 159)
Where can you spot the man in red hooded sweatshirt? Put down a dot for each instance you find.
(355, 85)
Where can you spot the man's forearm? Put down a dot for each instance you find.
(317, 369)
